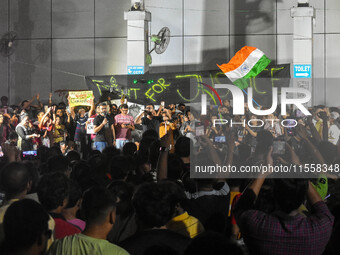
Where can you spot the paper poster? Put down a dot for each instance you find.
(90, 126)
(80, 98)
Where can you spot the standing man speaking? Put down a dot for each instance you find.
(103, 126)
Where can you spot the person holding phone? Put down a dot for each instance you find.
(297, 234)
(149, 118)
(25, 133)
(273, 125)
(190, 129)
(214, 131)
(124, 124)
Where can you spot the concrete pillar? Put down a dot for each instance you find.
(137, 40)
(303, 16)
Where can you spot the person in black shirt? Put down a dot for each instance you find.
(28, 108)
(154, 207)
(104, 128)
(252, 131)
(181, 107)
(149, 118)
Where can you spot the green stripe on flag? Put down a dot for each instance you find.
(242, 83)
(258, 68)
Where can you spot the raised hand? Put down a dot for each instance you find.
(269, 157)
(293, 157)
(302, 132)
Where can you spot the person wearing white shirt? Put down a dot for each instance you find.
(333, 131)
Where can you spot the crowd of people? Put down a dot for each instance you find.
(126, 187)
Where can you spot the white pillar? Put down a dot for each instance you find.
(303, 46)
(137, 43)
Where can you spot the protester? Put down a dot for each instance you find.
(124, 124)
(334, 131)
(4, 106)
(4, 129)
(53, 193)
(15, 182)
(59, 131)
(148, 178)
(73, 206)
(154, 208)
(80, 133)
(296, 233)
(10, 149)
(30, 109)
(125, 225)
(104, 129)
(25, 133)
(25, 229)
(182, 222)
(149, 118)
(99, 210)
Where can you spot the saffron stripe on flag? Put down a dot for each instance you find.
(246, 67)
(237, 60)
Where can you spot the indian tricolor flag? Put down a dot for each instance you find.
(248, 62)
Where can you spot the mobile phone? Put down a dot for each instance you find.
(220, 139)
(199, 130)
(29, 155)
(291, 130)
(162, 103)
(1, 152)
(279, 147)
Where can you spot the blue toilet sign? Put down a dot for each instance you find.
(302, 71)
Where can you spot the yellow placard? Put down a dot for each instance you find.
(80, 98)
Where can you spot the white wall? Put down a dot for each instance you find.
(61, 41)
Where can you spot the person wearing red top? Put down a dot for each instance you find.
(53, 193)
(4, 130)
(47, 125)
